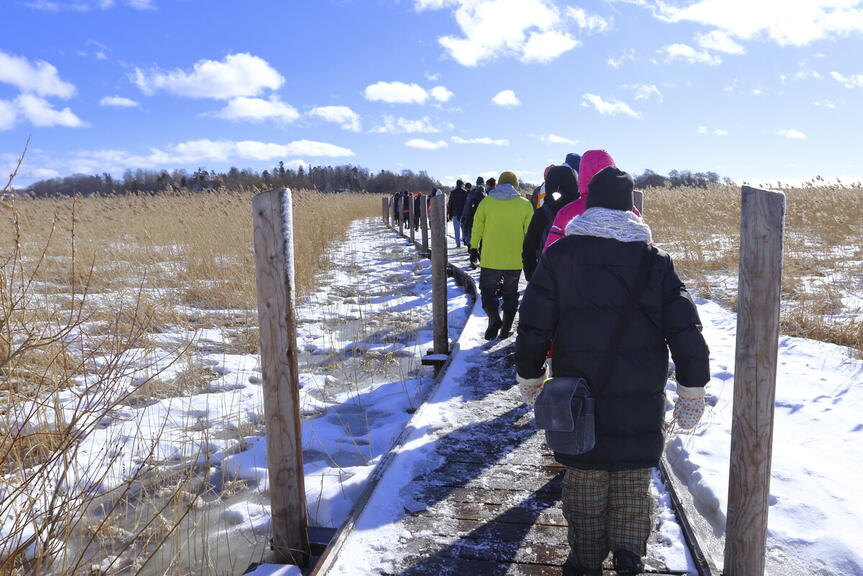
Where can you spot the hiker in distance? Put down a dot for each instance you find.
(454, 208)
(476, 195)
(614, 306)
(499, 226)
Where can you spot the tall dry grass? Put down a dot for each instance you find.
(84, 283)
(823, 255)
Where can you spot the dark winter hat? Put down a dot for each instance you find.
(611, 188)
(507, 177)
(562, 179)
(459, 183)
(573, 160)
(479, 180)
(491, 183)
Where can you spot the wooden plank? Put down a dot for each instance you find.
(762, 220)
(274, 267)
(439, 274)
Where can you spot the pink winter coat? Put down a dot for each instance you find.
(592, 162)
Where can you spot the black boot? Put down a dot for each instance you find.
(570, 568)
(627, 563)
(506, 327)
(493, 327)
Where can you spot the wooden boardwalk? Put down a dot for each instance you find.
(492, 504)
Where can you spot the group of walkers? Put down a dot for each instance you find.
(602, 304)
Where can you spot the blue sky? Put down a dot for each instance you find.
(756, 90)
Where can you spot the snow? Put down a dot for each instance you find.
(362, 335)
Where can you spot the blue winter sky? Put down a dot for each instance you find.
(756, 90)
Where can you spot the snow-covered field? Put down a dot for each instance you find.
(362, 334)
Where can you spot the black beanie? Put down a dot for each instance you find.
(611, 188)
(562, 179)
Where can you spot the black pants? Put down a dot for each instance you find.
(499, 283)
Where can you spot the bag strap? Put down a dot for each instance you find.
(623, 321)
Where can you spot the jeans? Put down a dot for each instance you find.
(506, 282)
(456, 227)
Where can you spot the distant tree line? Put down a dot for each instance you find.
(324, 178)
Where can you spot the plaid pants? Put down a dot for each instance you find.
(606, 511)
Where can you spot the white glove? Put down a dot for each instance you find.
(689, 406)
(530, 388)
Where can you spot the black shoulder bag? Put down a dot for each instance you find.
(565, 407)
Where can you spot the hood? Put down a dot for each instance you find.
(607, 223)
(592, 162)
(504, 192)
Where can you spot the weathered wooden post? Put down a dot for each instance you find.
(384, 211)
(439, 262)
(424, 223)
(274, 270)
(762, 218)
(411, 220)
(399, 217)
(638, 200)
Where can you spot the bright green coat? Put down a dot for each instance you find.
(500, 224)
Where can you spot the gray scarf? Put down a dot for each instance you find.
(607, 223)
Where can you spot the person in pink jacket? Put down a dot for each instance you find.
(591, 162)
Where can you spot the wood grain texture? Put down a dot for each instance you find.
(761, 235)
(439, 285)
(278, 346)
(424, 224)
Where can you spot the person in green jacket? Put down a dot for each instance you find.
(499, 227)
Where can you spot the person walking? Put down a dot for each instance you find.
(454, 208)
(499, 226)
(592, 162)
(474, 197)
(577, 296)
(561, 185)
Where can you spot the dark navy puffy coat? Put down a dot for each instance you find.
(575, 297)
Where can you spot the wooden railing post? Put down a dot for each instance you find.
(411, 220)
(384, 211)
(638, 200)
(762, 220)
(439, 262)
(274, 271)
(400, 218)
(424, 223)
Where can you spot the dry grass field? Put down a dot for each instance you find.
(90, 286)
(822, 280)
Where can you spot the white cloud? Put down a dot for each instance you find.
(237, 75)
(393, 125)
(257, 110)
(831, 104)
(40, 113)
(627, 55)
(8, 115)
(396, 93)
(555, 139)
(441, 94)
(343, 115)
(506, 98)
(720, 132)
(792, 134)
(719, 41)
(86, 5)
(702, 129)
(609, 107)
(424, 144)
(853, 81)
(786, 23)
(646, 92)
(118, 102)
(41, 77)
(688, 54)
(531, 30)
(589, 23)
(483, 140)
(543, 47)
